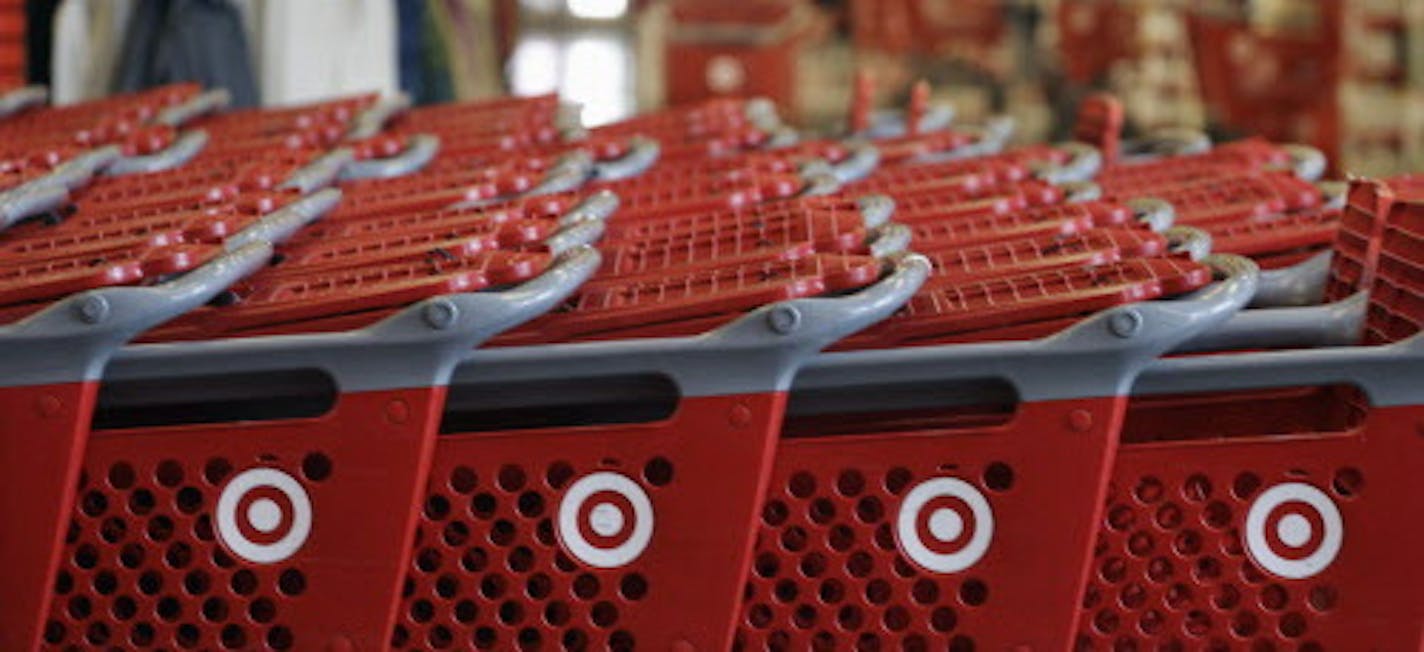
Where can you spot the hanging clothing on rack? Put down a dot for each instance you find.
(200, 41)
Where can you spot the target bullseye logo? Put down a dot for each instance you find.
(1294, 530)
(606, 520)
(264, 515)
(945, 525)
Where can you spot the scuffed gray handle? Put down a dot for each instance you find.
(1301, 284)
(322, 172)
(570, 172)
(579, 234)
(1174, 141)
(21, 99)
(199, 105)
(81, 169)
(371, 121)
(642, 154)
(182, 150)
(890, 239)
(473, 317)
(1157, 214)
(1334, 324)
(756, 353)
(281, 224)
(819, 184)
(893, 123)
(1096, 357)
(1077, 192)
(859, 164)
(876, 209)
(598, 206)
(1189, 240)
(419, 152)
(30, 200)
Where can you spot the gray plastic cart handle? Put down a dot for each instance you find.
(1333, 324)
(568, 119)
(322, 172)
(1301, 284)
(419, 152)
(892, 123)
(182, 150)
(757, 353)
(1157, 214)
(568, 173)
(1097, 357)
(598, 206)
(819, 184)
(80, 170)
(889, 239)
(1391, 375)
(1193, 242)
(22, 99)
(279, 225)
(1084, 163)
(579, 234)
(861, 161)
(1077, 192)
(71, 340)
(29, 200)
(642, 154)
(876, 210)
(762, 113)
(416, 347)
(371, 121)
(199, 105)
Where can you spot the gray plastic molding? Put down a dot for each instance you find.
(371, 121)
(1193, 242)
(322, 172)
(642, 155)
(1097, 357)
(200, 105)
(419, 152)
(598, 206)
(416, 347)
(1390, 375)
(862, 160)
(1170, 141)
(875, 209)
(29, 200)
(22, 99)
(1157, 214)
(1334, 324)
(891, 123)
(1307, 162)
(184, 148)
(71, 340)
(1084, 163)
(889, 239)
(757, 353)
(1301, 284)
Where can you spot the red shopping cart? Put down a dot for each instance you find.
(602, 494)
(913, 489)
(279, 522)
(52, 363)
(1257, 496)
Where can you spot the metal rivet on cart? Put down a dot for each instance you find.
(92, 309)
(784, 319)
(48, 405)
(1125, 323)
(1080, 420)
(397, 411)
(440, 314)
(740, 416)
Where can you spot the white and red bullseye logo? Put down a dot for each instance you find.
(1294, 530)
(264, 516)
(606, 520)
(945, 525)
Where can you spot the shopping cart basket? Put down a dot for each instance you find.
(52, 362)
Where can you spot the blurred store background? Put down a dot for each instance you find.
(1347, 77)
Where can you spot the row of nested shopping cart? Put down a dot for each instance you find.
(355, 375)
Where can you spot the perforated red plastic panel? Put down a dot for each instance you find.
(1356, 248)
(994, 226)
(1266, 539)
(930, 536)
(156, 557)
(1090, 248)
(1311, 229)
(511, 554)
